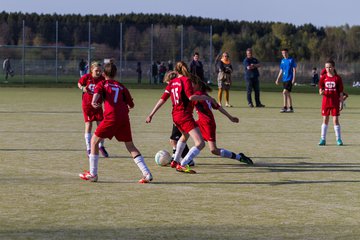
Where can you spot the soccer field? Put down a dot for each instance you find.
(295, 190)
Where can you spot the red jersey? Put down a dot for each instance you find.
(89, 82)
(332, 87)
(206, 121)
(180, 89)
(117, 99)
(204, 109)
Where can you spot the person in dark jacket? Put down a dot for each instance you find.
(251, 66)
(196, 67)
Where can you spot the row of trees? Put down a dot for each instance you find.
(306, 42)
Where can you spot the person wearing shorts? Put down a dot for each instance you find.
(288, 74)
(117, 102)
(332, 89)
(87, 85)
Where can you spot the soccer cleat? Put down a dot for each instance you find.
(322, 142)
(173, 164)
(228, 105)
(192, 163)
(290, 110)
(339, 142)
(283, 110)
(185, 169)
(146, 179)
(251, 105)
(103, 152)
(86, 175)
(260, 105)
(245, 159)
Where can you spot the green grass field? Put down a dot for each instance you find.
(295, 190)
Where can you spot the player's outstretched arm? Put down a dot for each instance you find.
(157, 107)
(233, 119)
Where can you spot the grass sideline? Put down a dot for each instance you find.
(296, 190)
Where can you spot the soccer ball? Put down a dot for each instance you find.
(162, 158)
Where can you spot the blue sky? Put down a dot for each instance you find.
(317, 12)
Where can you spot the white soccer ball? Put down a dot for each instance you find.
(162, 158)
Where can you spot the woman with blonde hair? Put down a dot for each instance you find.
(181, 91)
(224, 69)
(87, 85)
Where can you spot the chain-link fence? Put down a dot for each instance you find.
(133, 47)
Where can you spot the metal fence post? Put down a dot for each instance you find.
(151, 51)
(182, 43)
(210, 56)
(121, 51)
(23, 54)
(56, 51)
(89, 46)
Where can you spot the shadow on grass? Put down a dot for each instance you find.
(199, 232)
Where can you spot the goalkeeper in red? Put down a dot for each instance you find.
(116, 123)
(331, 88)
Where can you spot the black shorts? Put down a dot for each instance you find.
(288, 85)
(175, 134)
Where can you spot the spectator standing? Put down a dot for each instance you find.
(251, 66)
(139, 72)
(82, 67)
(7, 68)
(162, 71)
(170, 66)
(288, 73)
(196, 67)
(315, 77)
(224, 69)
(154, 72)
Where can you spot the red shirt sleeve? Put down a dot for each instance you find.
(99, 88)
(340, 85)
(321, 82)
(128, 98)
(166, 93)
(188, 88)
(82, 80)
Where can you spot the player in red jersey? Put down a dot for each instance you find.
(87, 85)
(207, 125)
(181, 91)
(116, 123)
(331, 88)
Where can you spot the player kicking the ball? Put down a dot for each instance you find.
(116, 123)
(207, 125)
(181, 91)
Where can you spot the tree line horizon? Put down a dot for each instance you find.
(305, 43)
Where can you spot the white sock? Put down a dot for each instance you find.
(94, 162)
(324, 128)
(337, 130)
(228, 154)
(179, 149)
(193, 152)
(225, 153)
(87, 140)
(101, 143)
(173, 153)
(139, 161)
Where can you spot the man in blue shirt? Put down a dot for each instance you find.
(251, 66)
(288, 73)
